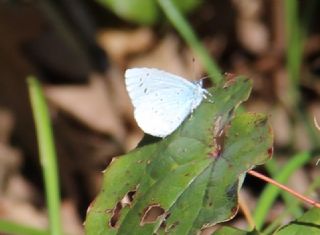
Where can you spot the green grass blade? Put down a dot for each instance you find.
(294, 49)
(189, 36)
(47, 154)
(296, 32)
(14, 228)
(271, 192)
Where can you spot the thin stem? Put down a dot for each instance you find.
(293, 205)
(291, 191)
(270, 192)
(246, 212)
(47, 154)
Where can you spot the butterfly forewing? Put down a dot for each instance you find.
(161, 100)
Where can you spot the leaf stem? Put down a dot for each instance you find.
(273, 169)
(246, 212)
(281, 186)
(270, 192)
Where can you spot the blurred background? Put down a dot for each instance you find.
(79, 49)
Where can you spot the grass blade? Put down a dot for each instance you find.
(47, 154)
(14, 228)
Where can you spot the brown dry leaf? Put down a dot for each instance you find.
(277, 210)
(282, 86)
(249, 9)
(22, 212)
(91, 104)
(310, 78)
(258, 105)
(299, 181)
(312, 44)
(119, 43)
(281, 126)
(301, 137)
(20, 190)
(10, 158)
(168, 56)
(118, 89)
(6, 125)
(123, 105)
(10, 161)
(70, 218)
(252, 33)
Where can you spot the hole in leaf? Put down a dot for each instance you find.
(163, 224)
(128, 198)
(171, 227)
(151, 214)
(115, 215)
(116, 211)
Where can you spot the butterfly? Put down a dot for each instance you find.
(161, 100)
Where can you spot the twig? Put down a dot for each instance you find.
(246, 212)
(291, 191)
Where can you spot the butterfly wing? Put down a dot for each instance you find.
(161, 100)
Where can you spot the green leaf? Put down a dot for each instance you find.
(143, 11)
(234, 231)
(186, 5)
(139, 11)
(309, 224)
(189, 180)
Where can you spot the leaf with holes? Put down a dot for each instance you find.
(189, 180)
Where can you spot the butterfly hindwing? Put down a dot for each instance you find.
(161, 100)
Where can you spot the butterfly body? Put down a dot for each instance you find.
(161, 100)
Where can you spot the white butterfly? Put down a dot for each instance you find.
(161, 100)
